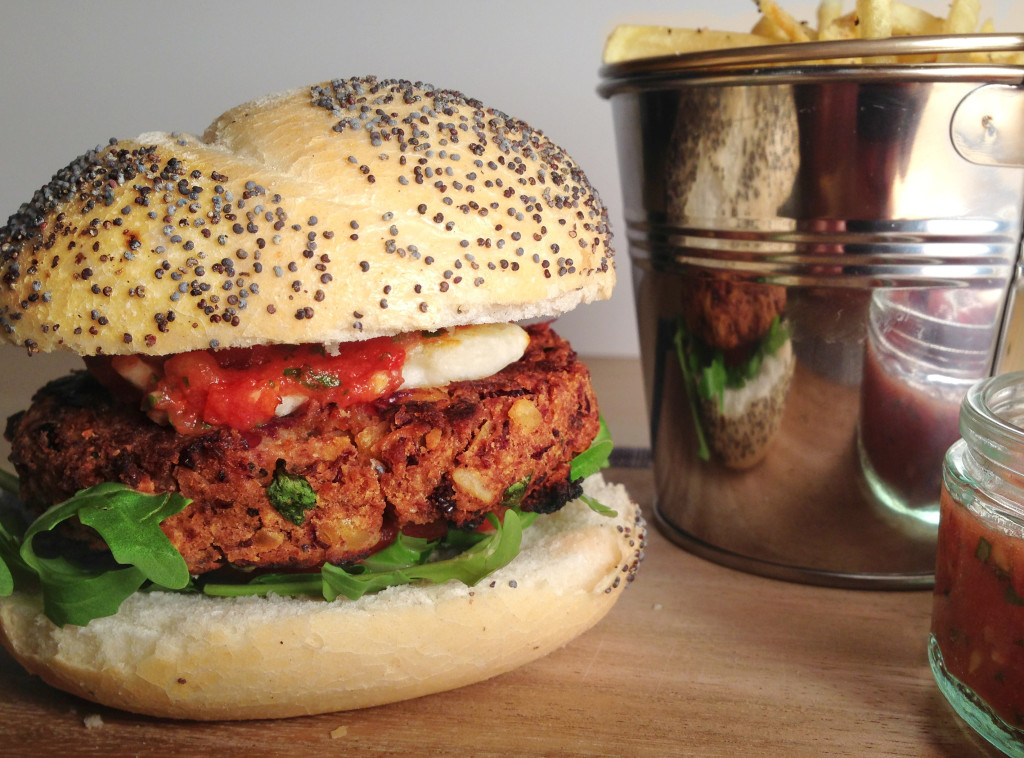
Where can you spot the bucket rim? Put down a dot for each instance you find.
(821, 59)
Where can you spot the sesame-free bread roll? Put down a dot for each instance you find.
(197, 657)
(342, 211)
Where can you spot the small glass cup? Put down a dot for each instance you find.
(925, 349)
(976, 647)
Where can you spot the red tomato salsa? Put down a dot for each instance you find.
(243, 388)
(978, 614)
(906, 427)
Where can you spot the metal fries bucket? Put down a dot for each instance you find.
(825, 257)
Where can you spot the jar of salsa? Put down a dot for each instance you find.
(976, 647)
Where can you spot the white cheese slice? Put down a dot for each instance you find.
(463, 354)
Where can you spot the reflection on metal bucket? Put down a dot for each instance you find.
(824, 259)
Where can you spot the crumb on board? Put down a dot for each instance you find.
(93, 721)
(341, 731)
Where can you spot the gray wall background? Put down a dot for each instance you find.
(78, 73)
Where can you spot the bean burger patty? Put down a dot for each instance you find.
(417, 460)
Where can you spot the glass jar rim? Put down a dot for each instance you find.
(992, 419)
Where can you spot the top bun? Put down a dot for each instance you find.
(347, 210)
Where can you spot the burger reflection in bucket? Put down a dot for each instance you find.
(737, 362)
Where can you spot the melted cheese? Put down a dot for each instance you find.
(463, 354)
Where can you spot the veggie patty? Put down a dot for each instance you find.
(324, 484)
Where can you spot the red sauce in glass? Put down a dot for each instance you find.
(906, 428)
(978, 614)
(242, 388)
(910, 397)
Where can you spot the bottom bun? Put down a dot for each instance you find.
(742, 427)
(197, 657)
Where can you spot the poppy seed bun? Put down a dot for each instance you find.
(198, 657)
(342, 211)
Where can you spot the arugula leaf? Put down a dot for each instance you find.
(14, 572)
(589, 462)
(9, 557)
(6, 580)
(513, 496)
(713, 379)
(459, 540)
(279, 584)
(690, 368)
(598, 507)
(706, 366)
(128, 521)
(777, 336)
(74, 596)
(290, 494)
(405, 551)
(595, 457)
(406, 560)
(8, 482)
(489, 554)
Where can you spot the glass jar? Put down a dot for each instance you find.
(976, 648)
(925, 348)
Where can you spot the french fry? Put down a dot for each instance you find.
(632, 41)
(870, 19)
(844, 27)
(1007, 58)
(910, 21)
(765, 27)
(988, 27)
(963, 17)
(828, 11)
(794, 31)
(875, 18)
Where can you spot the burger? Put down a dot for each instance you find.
(736, 356)
(326, 450)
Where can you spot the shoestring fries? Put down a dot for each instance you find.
(868, 19)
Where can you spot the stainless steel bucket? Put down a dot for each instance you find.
(825, 256)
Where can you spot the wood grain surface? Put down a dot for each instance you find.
(695, 659)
